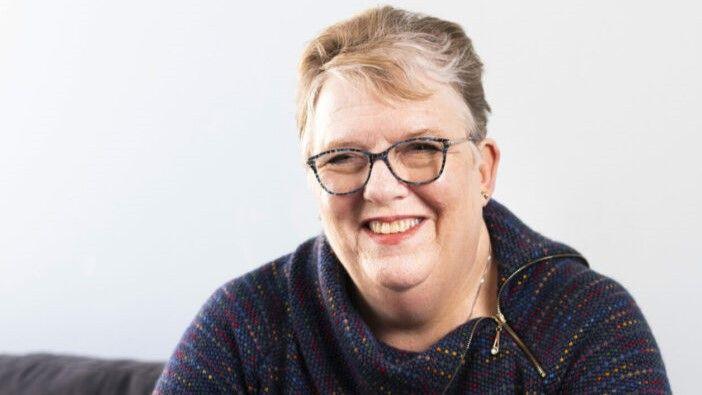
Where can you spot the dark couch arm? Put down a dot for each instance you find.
(65, 374)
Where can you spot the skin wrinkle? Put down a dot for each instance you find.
(413, 293)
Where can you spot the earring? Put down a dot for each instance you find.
(485, 195)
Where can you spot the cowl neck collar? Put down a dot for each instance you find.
(334, 338)
(514, 243)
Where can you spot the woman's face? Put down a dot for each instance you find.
(443, 244)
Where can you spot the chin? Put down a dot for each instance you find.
(398, 273)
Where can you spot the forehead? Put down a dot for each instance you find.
(349, 115)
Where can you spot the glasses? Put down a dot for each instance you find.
(415, 161)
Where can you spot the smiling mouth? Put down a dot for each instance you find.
(393, 227)
(393, 232)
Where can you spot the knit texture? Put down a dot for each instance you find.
(290, 326)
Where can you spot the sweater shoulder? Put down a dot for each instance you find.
(590, 328)
(226, 347)
(573, 291)
(256, 304)
(587, 294)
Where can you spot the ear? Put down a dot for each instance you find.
(490, 153)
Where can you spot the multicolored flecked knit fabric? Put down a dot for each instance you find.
(289, 326)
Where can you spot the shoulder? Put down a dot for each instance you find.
(255, 305)
(571, 296)
(564, 283)
(233, 334)
(598, 338)
(588, 298)
(583, 288)
(252, 306)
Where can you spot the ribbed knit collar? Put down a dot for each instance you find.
(333, 337)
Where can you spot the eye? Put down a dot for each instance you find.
(338, 159)
(423, 146)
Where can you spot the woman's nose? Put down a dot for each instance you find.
(382, 184)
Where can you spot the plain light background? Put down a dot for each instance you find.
(148, 154)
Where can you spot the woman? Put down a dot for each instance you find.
(419, 282)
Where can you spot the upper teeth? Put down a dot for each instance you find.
(392, 227)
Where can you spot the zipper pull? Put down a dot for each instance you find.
(496, 344)
(500, 322)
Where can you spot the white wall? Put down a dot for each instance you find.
(129, 132)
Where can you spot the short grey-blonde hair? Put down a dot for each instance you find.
(388, 50)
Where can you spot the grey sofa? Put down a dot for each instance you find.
(67, 374)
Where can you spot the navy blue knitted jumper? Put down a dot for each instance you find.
(290, 327)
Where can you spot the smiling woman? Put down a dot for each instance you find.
(419, 282)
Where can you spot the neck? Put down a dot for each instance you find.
(415, 319)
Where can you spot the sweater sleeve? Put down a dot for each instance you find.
(207, 358)
(616, 351)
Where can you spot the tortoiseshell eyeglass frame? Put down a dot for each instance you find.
(372, 157)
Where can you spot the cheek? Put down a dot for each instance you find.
(450, 192)
(339, 208)
(340, 216)
(452, 198)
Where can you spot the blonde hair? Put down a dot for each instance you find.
(388, 50)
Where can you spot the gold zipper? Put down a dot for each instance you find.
(502, 321)
(463, 356)
(496, 346)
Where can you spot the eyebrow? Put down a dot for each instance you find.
(350, 143)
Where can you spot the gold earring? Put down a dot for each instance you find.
(485, 195)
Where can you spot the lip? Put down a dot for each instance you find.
(392, 238)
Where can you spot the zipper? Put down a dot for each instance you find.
(502, 321)
(465, 352)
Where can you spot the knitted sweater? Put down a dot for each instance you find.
(290, 326)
